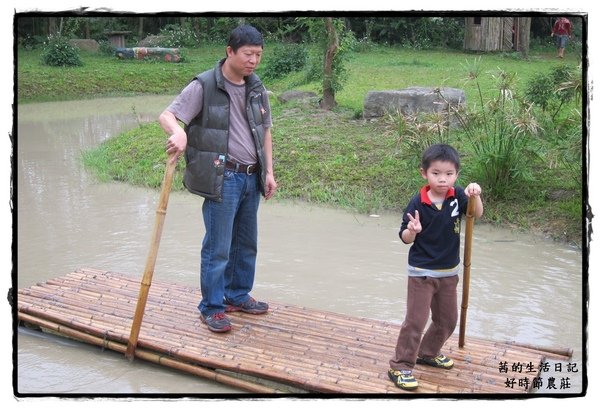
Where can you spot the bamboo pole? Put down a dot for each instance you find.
(466, 270)
(151, 260)
(557, 351)
(163, 360)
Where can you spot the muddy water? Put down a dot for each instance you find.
(523, 288)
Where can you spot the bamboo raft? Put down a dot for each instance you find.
(303, 349)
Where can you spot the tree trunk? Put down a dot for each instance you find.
(524, 32)
(328, 101)
(196, 28)
(51, 26)
(140, 28)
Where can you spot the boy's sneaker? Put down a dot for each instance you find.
(251, 306)
(403, 379)
(440, 361)
(217, 322)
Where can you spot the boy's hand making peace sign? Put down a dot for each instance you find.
(414, 225)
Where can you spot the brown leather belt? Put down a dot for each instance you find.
(241, 168)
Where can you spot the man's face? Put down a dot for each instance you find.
(245, 60)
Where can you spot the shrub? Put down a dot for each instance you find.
(106, 48)
(32, 42)
(58, 52)
(553, 89)
(179, 36)
(539, 90)
(563, 138)
(285, 59)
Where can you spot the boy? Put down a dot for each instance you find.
(432, 224)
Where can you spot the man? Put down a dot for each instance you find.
(562, 29)
(228, 150)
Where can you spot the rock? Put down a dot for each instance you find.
(296, 95)
(558, 195)
(411, 101)
(85, 44)
(152, 41)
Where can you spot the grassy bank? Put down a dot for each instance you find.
(331, 158)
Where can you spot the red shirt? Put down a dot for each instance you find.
(562, 26)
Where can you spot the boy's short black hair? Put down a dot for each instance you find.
(441, 152)
(244, 35)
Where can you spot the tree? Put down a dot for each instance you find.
(328, 102)
(332, 42)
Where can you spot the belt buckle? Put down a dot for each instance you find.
(249, 168)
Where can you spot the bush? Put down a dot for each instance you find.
(415, 32)
(106, 48)
(558, 93)
(179, 36)
(58, 52)
(553, 89)
(32, 42)
(285, 59)
(539, 90)
(564, 143)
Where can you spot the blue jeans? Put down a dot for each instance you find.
(561, 41)
(229, 248)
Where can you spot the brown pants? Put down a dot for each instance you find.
(425, 294)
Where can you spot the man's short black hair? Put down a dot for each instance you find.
(441, 152)
(245, 35)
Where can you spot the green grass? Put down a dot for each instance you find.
(331, 158)
(103, 75)
(384, 68)
(136, 157)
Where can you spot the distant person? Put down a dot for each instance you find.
(562, 30)
(228, 150)
(432, 223)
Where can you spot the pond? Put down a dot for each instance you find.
(523, 288)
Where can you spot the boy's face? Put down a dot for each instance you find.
(245, 60)
(441, 176)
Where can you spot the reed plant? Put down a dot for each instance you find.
(502, 133)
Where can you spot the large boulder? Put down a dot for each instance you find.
(411, 101)
(288, 96)
(153, 41)
(85, 44)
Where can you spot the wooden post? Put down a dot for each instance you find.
(466, 270)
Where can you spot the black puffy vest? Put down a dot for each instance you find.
(208, 134)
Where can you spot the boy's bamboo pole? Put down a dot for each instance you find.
(466, 270)
(161, 212)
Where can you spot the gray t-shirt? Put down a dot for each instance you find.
(188, 104)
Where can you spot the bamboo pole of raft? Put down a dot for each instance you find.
(466, 270)
(161, 212)
(150, 356)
